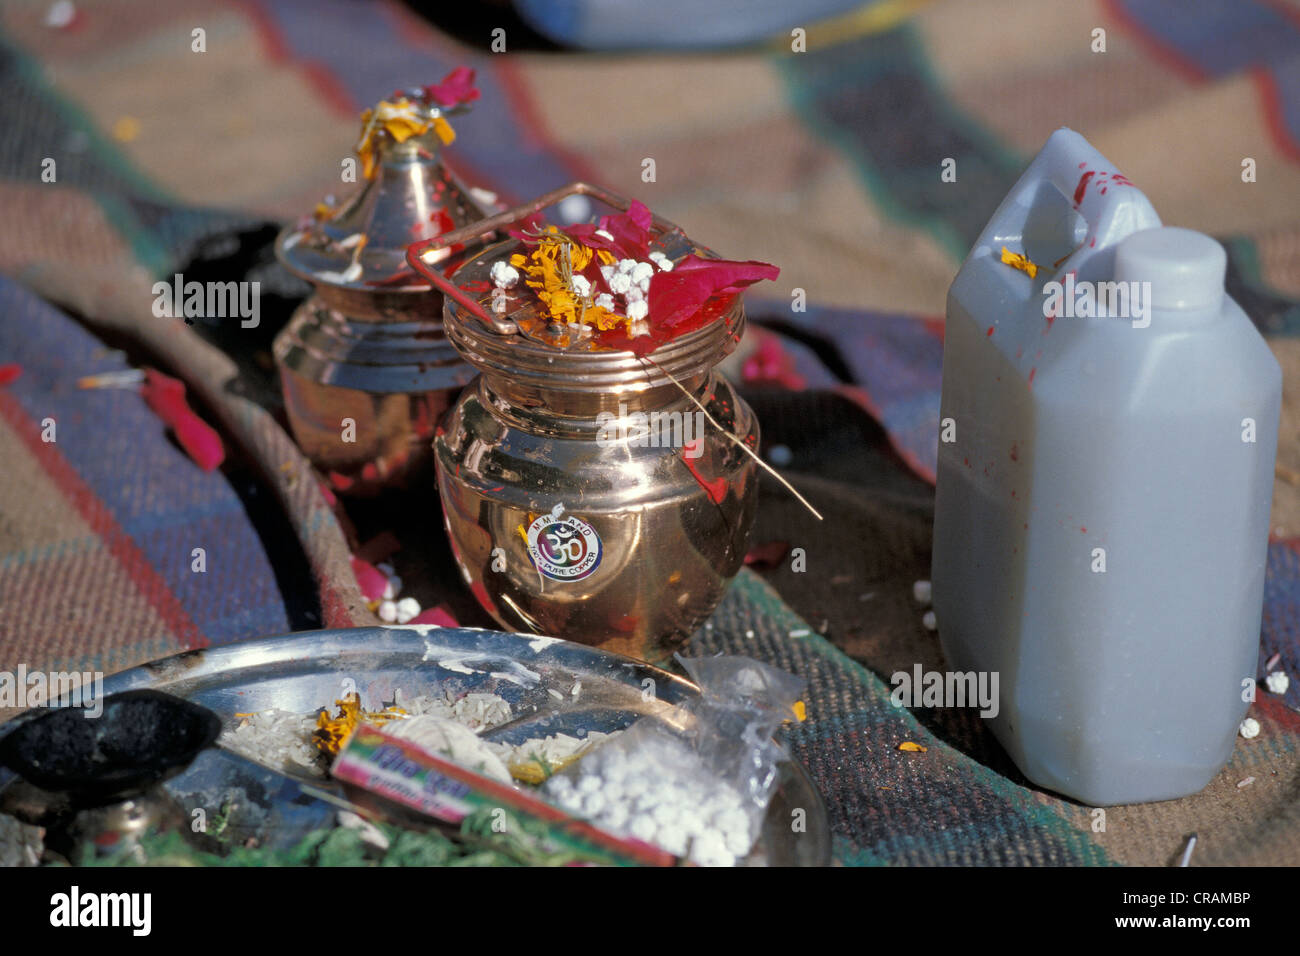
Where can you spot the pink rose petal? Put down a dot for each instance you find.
(456, 87)
(437, 616)
(370, 579)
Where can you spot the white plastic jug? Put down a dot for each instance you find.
(1104, 484)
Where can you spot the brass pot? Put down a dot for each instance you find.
(584, 493)
(365, 369)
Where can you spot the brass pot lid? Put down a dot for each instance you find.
(409, 194)
(472, 300)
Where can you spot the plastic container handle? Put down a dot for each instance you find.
(1112, 207)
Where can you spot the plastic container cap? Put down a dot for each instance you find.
(1186, 268)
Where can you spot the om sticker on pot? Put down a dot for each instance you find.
(563, 548)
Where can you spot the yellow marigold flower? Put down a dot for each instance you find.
(401, 121)
(549, 270)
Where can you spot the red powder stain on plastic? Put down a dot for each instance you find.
(966, 462)
(1020, 352)
(1092, 242)
(990, 331)
(1103, 190)
(1013, 492)
(1083, 530)
(1032, 372)
(1080, 189)
(1015, 451)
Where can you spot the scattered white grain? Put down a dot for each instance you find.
(388, 611)
(1249, 728)
(921, 592)
(1277, 682)
(928, 621)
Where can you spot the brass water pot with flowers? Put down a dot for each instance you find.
(598, 480)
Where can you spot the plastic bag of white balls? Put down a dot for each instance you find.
(696, 779)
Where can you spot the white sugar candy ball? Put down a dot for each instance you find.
(407, 609)
(504, 275)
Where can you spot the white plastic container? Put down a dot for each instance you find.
(1101, 519)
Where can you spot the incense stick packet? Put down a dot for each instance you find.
(399, 771)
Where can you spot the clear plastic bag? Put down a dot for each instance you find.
(697, 779)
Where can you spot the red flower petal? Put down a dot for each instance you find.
(438, 616)
(677, 295)
(456, 87)
(166, 396)
(370, 579)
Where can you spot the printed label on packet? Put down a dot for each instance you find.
(563, 548)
